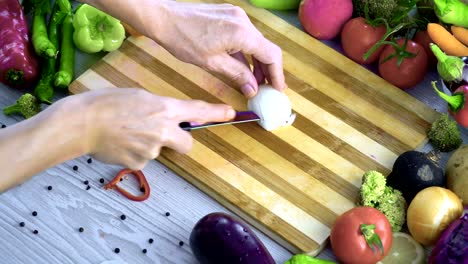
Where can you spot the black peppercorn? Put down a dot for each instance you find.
(36, 232)
(117, 250)
(81, 230)
(123, 217)
(168, 214)
(142, 189)
(150, 241)
(86, 182)
(181, 243)
(49, 188)
(34, 213)
(22, 224)
(75, 168)
(88, 187)
(90, 160)
(101, 180)
(144, 251)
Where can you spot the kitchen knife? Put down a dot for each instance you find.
(241, 117)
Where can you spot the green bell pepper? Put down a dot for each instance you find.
(276, 4)
(96, 31)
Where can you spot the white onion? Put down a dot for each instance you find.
(273, 107)
(430, 212)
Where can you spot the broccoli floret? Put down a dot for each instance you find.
(376, 8)
(393, 205)
(373, 186)
(27, 105)
(444, 134)
(374, 192)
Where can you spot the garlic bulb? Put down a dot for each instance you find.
(273, 107)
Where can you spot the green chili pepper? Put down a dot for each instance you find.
(96, 31)
(42, 45)
(452, 12)
(276, 5)
(67, 55)
(44, 90)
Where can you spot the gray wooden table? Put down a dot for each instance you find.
(69, 206)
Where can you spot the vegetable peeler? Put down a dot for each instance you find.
(241, 117)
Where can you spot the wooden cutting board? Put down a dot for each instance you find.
(291, 183)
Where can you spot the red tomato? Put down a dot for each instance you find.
(423, 39)
(357, 37)
(348, 242)
(410, 72)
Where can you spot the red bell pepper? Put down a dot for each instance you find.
(456, 103)
(144, 186)
(18, 62)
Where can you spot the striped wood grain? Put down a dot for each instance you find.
(291, 183)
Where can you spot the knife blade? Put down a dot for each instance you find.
(241, 117)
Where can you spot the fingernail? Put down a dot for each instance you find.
(248, 90)
(230, 113)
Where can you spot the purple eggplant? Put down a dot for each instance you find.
(220, 238)
(452, 246)
(18, 62)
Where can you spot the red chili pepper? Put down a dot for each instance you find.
(456, 103)
(18, 63)
(141, 179)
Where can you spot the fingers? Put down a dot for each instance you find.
(270, 57)
(200, 111)
(237, 71)
(178, 140)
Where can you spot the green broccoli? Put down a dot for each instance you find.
(374, 192)
(376, 8)
(444, 134)
(27, 105)
(305, 259)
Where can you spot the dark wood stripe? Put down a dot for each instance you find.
(193, 91)
(356, 86)
(78, 87)
(345, 114)
(224, 192)
(270, 179)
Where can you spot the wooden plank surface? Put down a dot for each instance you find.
(291, 183)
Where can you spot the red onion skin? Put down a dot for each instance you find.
(452, 246)
(18, 62)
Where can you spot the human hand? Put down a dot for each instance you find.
(130, 126)
(217, 38)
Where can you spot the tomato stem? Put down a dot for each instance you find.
(372, 238)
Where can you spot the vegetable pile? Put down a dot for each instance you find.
(42, 61)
